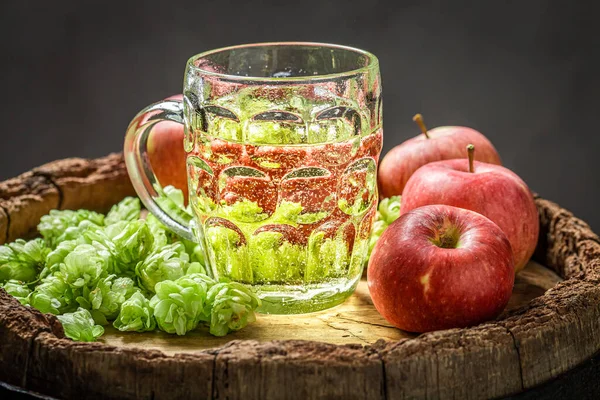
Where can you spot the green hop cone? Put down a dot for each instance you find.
(172, 201)
(62, 225)
(18, 290)
(195, 268)
(180, 305)
(78, 232)
(168, 263)
(206, 282)
(133, 244)
(387, 212)
(127, 209)
(123, 244)
(389, 209)
(232, 307)
(161, 235)
(102, 241)
(201, 278)
(136, 315)
(22, 260)
(80, 326)
(376, 231)
(105, 300)
(57, 256)
(53, 295)
(105, 235)
(84, 266)
(194, 250)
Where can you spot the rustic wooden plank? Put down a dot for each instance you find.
(578, 383)
(25, 199)
(95, 184)
(531, 282)
(557, 331)
(3, 225)
(563, 235)
(18, 328)
(69, 369)
(476, 363)
(297, 370)
(355, 321)
(66, 184)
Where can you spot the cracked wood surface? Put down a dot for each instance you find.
(72, 183)
(24, 200)
(355, 321)
(542, 334)
(3, 225)
(92, 184)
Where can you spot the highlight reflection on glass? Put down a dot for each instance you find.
(282, 144)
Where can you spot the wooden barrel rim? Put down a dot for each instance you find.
(531, 345)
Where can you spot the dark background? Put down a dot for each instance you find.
(525, 73)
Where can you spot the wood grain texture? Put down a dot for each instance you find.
(92, 184)
(475, 363)
(25, 199)
(19, 326)
(67, 369)
(538, 337)
(356, 321)
(72, 184)
(297, 370)
(3, 225)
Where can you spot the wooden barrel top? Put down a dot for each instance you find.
(355, 321)
(552, 324)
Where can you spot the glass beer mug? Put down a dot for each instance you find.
(282, 144)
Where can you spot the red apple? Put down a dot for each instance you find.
(166, 153)
(491, 190)
(442, 143)
(440, 267)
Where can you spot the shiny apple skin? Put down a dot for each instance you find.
(444, 143)
(420, 287)
(491, 190)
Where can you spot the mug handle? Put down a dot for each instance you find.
(138, 164)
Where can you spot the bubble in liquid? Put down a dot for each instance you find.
(329, 251)
(335, 124)
(277, 254)
(370, 145)
(311, 187)
(223, 123)
(246, 194)
(219, 151)
(202, 184)
(357, 187)
(227, 249)
(278, 160)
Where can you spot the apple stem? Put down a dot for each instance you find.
(418, 118)
(471, 154)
